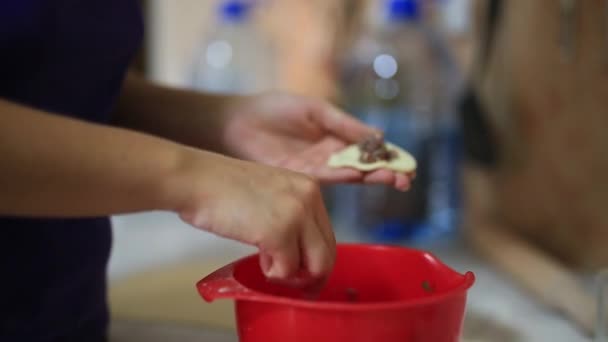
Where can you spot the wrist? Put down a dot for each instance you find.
(169, 190)
(211, 114)
(229, 129)
(190, 179)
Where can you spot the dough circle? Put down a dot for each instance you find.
(349, 157)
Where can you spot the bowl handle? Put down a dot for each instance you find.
(221, 284)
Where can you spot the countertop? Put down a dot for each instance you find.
(133, 331)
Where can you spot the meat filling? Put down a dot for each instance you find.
(373, 149)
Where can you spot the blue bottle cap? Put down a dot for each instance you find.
(235, 10)
(401, 10)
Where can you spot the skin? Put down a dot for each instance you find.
(245, 168)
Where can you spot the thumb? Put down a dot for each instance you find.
(341, 124)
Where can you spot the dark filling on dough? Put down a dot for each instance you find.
(374, 149)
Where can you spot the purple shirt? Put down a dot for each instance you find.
(67, 57)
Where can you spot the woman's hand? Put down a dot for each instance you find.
(92, 170)
(277, 129)
(299, 134)
(279, 211)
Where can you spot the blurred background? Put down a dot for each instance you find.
(503, 103)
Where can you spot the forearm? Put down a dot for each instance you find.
(59, 167)
(188, 117)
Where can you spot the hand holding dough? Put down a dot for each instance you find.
(351, 157)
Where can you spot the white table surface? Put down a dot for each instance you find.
(123, 331)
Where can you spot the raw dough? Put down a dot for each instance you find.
(350, 157)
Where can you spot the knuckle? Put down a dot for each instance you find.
(309, 187)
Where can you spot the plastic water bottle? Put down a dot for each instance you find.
(235, 57)
(391, 81)
(444, 187)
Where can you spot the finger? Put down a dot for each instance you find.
(327, 175)
(324, 222)
(340, 124)
(317, 246)
(402, 181)
(281, 261)
(265, 262)
(381, 176)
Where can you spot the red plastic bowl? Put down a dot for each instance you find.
(375, 293)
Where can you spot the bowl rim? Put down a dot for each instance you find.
(244, 293)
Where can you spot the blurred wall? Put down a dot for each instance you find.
(303, 33)
(173, 30)
(550, 115)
